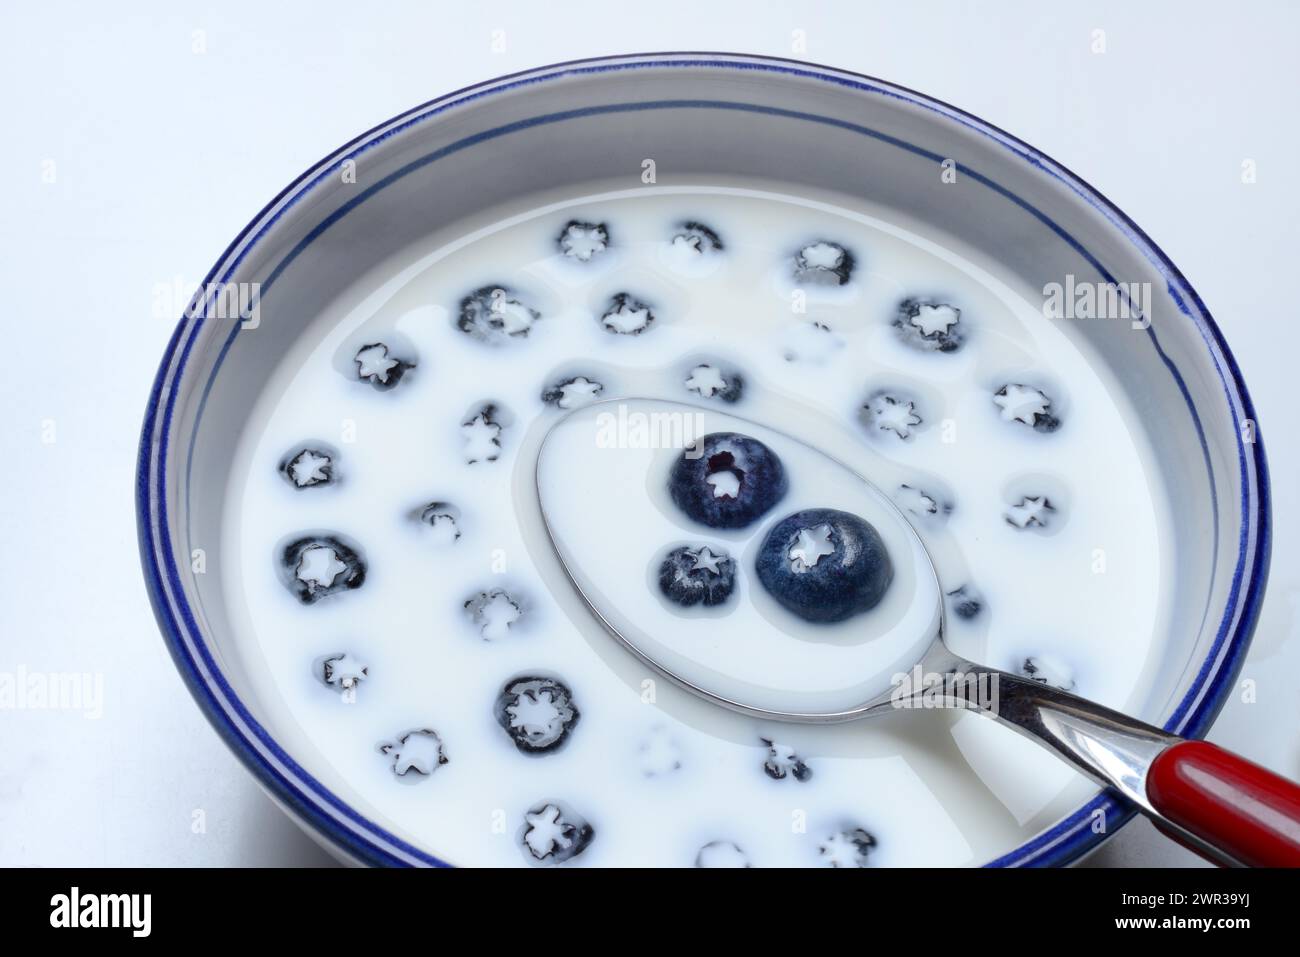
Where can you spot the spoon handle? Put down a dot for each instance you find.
(1227, 809)
(1227, 802)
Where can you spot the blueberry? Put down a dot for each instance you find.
(420, 751)
(824, 565)
(626, 315)
(481, 433)
(537, 713)
(721, 854)
(493, 314)
(444, 519)
(309, 466)
(697, 238)
(316, 566)
(572, 393)
(701, 575)
(965, 602)
(659, 754)
(1032, 511)
(1026, 405)
(343, 671)
(918, 502)
(1048, 671)
(378, 366)
(810, 342)
(781, 762)
(848, 848)
(553, 833)
(581, 241)
(727, 480)
(823, 263)
(929, 326)
(712, 382)
(493, 613)
(896, 414)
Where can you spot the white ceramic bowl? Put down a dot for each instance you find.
(697, 114)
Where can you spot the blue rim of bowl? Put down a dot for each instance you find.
(365, 841)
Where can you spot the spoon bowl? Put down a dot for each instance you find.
(600, 461)
(761, 660)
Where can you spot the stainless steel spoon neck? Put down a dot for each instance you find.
(1114, 749)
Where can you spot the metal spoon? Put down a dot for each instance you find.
(1228, 809)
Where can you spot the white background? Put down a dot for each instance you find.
(162, 154)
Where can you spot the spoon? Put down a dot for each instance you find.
(1228, 809)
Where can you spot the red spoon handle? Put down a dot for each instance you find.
(1228, 802)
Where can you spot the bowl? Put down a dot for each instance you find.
(696, 114)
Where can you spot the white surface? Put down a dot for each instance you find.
(163, 154)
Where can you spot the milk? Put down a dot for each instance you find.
(658, 773)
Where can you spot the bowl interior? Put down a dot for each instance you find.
(554, 132)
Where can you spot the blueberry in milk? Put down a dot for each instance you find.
(444, 519)
(626, 315)
(537, 713)
(782, 762)
(918, 502)
(317, 566)
(727, 480)
(823, 263)
(493, 613)
(848, 848)
(309, 466)
(554, 833)
(583, 242)
(965, 602)
(420, 751)
(892, 414)
(710, 380)
(1048, 670)
(1026, 405)
(810, 341)
(379, 366)
(722, 854)
(696, 238)
(572, 392)
(824, 565)
(481, 434)
(929, 326)
(659, 754)
(932, 503)
(343, 671)
(697, 575)
(1032, 511)
(494, 314)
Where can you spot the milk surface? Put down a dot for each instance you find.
(658, 774)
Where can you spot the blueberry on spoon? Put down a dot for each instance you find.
(824, 565)
(727, 480)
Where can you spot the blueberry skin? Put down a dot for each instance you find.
(851, 579)
(554, 736)
(685, 584)
(759, 470)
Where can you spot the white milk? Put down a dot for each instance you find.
(657, 773)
